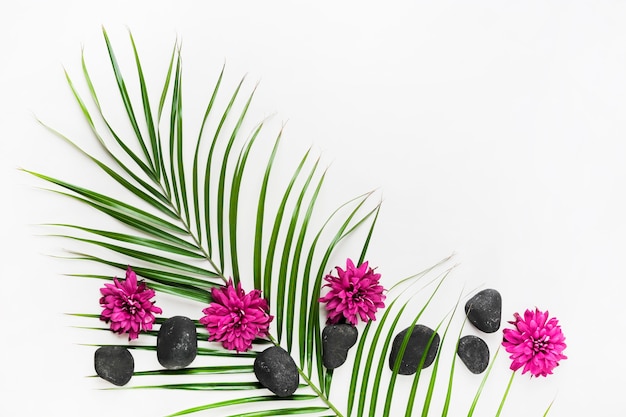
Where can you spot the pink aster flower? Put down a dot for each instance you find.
(536, 343)
(236, 318)
(354, 293)
(126, 305)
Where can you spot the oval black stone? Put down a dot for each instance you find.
(474, 353)
(415, 348)
(484, 310)
(114, 364)
(337, 339)
(177, 342)
(277, 371)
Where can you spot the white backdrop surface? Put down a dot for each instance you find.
(494, 130)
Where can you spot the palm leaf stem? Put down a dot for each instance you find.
(205, 253)
(198, 244)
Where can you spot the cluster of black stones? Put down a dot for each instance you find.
(483, 310)
(177, 346)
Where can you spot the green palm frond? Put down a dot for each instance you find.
(179, 227)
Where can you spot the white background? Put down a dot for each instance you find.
(493, 129)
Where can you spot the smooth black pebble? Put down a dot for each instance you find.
(114, 364)
(474, 353)
(277, 371)
(415, 348)
(177, 342)
(484, 310)
(337, 339)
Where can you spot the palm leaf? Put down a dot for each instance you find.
(179, 229)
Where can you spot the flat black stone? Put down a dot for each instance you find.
(337, 339)
(484, 310)
(177, 342)
(415, 348)
(114, 364)
(277, 371)
(474, 353)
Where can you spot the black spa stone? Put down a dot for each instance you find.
(474, 353)
(484, 310)
(277, 371)
(415, 348)
(177, 342)
(337, 339)
(114, 364)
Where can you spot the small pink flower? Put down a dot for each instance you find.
(127, 305)
(236, 318)
(536, 343)
(354, 293)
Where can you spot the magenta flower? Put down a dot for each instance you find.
(236, 318)
(127, 305)
(536, 343)
(354, 293)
